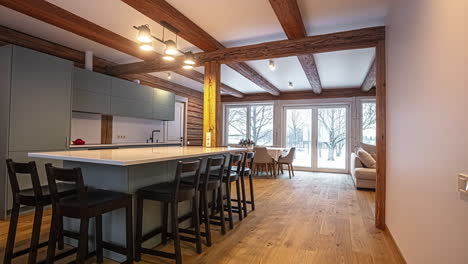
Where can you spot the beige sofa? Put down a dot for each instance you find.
(364, 178)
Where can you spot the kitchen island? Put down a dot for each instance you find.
(127, 170)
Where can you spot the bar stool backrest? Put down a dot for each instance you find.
(15, 168)
(234, 159)
(73, 176)
(213, 165)
(187, 169)
(248, 158)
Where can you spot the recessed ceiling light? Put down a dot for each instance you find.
(169, 76)
(271, 65)
(290, 85)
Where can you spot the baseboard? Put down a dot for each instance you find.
(399, 256)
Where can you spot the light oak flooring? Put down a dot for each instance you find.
(313, 218)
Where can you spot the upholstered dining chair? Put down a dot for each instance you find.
(263, 161)
(287, 160)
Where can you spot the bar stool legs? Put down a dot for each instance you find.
(11, 234)
(35, 234)
(175, 232)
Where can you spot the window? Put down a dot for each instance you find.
(249, 121)
(368, 122)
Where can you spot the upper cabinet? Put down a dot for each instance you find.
(40, 100)
(98, 93)
(91, 92)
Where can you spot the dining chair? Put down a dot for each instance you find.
(287, 160)
(263, 161)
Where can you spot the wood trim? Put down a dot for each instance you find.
(212, 113)
(392, 244)
(106, 129)
(381, 137)
(162, 11)
(326, 93)
(290, 18)
(347, 40)
(369, 81)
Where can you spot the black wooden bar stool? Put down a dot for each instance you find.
(210, 184)
(170, 193)
(246, 171)
(85, 204)
(231, 176)
(38, 197)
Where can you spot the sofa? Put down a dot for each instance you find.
(364, 178)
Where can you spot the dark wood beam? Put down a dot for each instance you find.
(370, 80)
(326, 93)
(199, 77)
(381, 135)
(289, 16)
(54, 15)
(161, 11)
(347, 40)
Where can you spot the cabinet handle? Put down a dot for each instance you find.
(67, 144)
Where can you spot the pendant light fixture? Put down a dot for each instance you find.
(145, 40)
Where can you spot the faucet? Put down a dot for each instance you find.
(152, 136)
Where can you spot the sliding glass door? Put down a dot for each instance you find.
(320, 136)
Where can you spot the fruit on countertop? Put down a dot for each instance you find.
(78, 141)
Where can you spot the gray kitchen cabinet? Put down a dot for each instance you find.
(131, 108)
(35, 103)
(89, 102)
(131, 90)
(91, 81)
(163, 105)
(40, 101)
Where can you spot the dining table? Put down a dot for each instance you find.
(275, 153)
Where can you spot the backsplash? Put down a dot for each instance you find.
(135, 130)
(87, 127)
(125, 129)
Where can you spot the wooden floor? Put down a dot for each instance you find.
(313, 218)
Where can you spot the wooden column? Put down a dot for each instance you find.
(106, 129)
(212, 111)
(381, 136)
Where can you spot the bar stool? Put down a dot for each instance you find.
(38, 196)
(208, 184)
(170, 193)
(246, 171)
(231, 176)
(83, 205)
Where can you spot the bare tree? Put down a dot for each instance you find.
(368, 116)
(261, 123)
(237, 122)
(333, 123)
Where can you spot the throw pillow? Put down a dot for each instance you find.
(367, 160)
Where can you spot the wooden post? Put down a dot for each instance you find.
(381, 136)
(106, 129)
(212, 111)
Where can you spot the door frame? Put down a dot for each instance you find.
(314, 136)
(184, 101)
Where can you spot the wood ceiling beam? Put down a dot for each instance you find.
(289, 16)
(347, 40)
(326, 93)
(370, 80)
(161, 11)
(54, 15)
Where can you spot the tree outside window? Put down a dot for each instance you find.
(368, 122)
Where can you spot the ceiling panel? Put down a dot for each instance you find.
(287, 70)
(179, 79)
(237, 81)
(343, 69)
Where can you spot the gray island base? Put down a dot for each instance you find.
(127, 170)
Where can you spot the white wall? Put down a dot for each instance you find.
(427, 93)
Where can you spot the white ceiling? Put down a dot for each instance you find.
(233, 23)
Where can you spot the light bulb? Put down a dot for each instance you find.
(169, 76)
(168, 58)
(187, 67)
(146, 47)
(271, 65)
(144, 34)
(171, 48)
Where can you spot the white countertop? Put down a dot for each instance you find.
(119, 145)
(133, 156)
